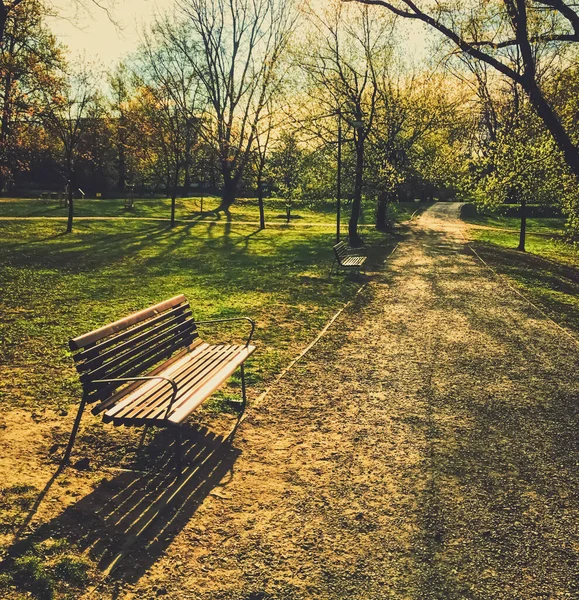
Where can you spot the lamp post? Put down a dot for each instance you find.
(339, 182)
(358, 124)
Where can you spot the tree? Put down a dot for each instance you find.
(29, 60)
(415, 116)
(66, 116)
(487, 30)
(167, 58)
(7, 7)
(262, 142)
(345, 54)
(236, 54)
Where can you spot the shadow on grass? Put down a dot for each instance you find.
(127, 522)
(553, 285)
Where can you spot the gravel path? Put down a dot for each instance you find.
(425, 448)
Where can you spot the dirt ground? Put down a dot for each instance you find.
(425, 448)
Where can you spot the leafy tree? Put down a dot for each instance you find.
(489, 31)
(29, 63)
(346, 51)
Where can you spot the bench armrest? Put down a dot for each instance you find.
(152, 377)
(360, 251)
(229, 320)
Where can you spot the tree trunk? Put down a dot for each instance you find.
(173, 203)
(3, 16)
(260, 204)
(228, 194)
(382, 211)
(122, 180)
(70, 206)
(523, 231)
(354, 238)
(187, 180)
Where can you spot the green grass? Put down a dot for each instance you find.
(55, 286)
(245, 209)
(543, 226)
(547, 272)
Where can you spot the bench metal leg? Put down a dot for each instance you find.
(243, 393)
(332, 269)
(142, 442)
(75, 427)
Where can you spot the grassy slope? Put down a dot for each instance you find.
(548, 272)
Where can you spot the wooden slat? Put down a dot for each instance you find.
(170, 344)
(102, 393)
(173, 372)
(193, 385)
(120, 394)
(116, 343)
(98, 334)
(157, 397)
(138, 351)
(209, 386)
(156, 407)
(195, 380)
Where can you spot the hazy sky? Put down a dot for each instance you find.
(93, 35)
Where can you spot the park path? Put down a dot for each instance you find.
(425, 448)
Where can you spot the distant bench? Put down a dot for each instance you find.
(152, 368)
(349, 258)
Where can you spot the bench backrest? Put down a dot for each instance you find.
(341, 250)
(131, 347)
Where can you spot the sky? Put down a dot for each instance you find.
(91, 33)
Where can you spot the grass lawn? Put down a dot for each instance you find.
(55, 286)
(548, 272)
(245, 209)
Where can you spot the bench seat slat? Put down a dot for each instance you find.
(161, 392)
(197, 374)
(154, 386)
(201, 367)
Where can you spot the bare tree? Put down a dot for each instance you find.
(167, 62)
(485, 30)
(343, 68)
(66, 115)
(241, 43)
(262, 142)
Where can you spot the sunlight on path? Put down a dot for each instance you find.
(425, 448)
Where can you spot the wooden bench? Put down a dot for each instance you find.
(349, 258)
(152, 368)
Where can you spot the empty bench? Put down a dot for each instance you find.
(153, 369)
(348, 258)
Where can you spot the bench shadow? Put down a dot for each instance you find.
(137, 514)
